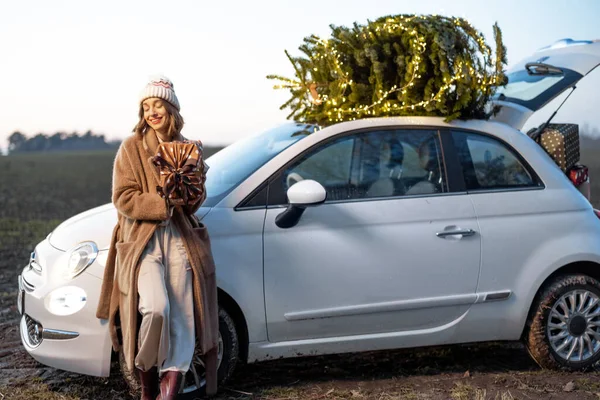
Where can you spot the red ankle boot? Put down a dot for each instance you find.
(169, 385)
(149, 383)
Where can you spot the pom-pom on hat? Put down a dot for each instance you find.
(160, 86)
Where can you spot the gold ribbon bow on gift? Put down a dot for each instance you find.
(181, 171)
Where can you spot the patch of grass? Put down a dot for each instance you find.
(313, 392)
(398, 394)
(18, 239)
(504, 396)
(51, 185)
(33, 391)
(407, 394)
(279, 392)
(588, 385)
(499, 380)
(464, 391)
(40, 186)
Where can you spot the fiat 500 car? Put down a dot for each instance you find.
(374, 234)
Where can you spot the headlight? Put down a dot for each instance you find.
(81, 257)
(66, 300)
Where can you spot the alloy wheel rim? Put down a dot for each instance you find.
(573, 327)
(196, 375)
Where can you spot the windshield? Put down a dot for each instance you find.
(535, 90)
(230, 166)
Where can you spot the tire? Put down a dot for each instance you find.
(229, 358)
(564, 327)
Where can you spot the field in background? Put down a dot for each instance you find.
(38, 191)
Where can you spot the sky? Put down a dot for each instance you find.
(74, 66)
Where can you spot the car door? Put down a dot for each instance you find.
(384, 253)
(516, 213)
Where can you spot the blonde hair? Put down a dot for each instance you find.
(174, 120)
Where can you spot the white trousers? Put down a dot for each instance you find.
(166, 338)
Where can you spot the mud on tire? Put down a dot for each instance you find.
(536, 336)
(229, 336)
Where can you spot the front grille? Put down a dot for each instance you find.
(34, 331)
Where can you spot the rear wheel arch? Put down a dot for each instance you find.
(589, 268)
(563, 330)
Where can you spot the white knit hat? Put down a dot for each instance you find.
(160, 86)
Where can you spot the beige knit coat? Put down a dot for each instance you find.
(140, 209)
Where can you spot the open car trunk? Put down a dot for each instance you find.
(536, 81)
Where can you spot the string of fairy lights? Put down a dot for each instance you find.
(382, 105)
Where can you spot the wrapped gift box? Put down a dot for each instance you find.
(182, 171)
(561, 142)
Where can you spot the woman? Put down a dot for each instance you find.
(159, 262)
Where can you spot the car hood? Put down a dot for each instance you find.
(95, 225)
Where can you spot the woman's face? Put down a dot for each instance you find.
(156, 114)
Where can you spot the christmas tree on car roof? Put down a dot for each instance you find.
(395, 66)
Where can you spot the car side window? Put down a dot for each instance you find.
(488, 163)
(377, 164)
(400, 163)
(329, 165)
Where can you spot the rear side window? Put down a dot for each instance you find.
(489, 164)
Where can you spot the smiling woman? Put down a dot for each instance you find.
(158, 264)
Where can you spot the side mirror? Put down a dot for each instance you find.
(306, 193)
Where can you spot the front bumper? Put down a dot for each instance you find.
(79, 342)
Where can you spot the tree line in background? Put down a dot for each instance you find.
(589, 137)
(590, 131)
(59, 141)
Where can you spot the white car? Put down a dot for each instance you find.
(373, 234)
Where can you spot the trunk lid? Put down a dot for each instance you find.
(540, 78)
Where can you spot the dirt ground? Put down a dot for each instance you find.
(485, 371)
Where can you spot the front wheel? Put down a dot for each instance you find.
(564, 330)
(194, 382)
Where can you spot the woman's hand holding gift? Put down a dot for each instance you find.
(182, 175)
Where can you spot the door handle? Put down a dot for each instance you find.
(462, 232)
